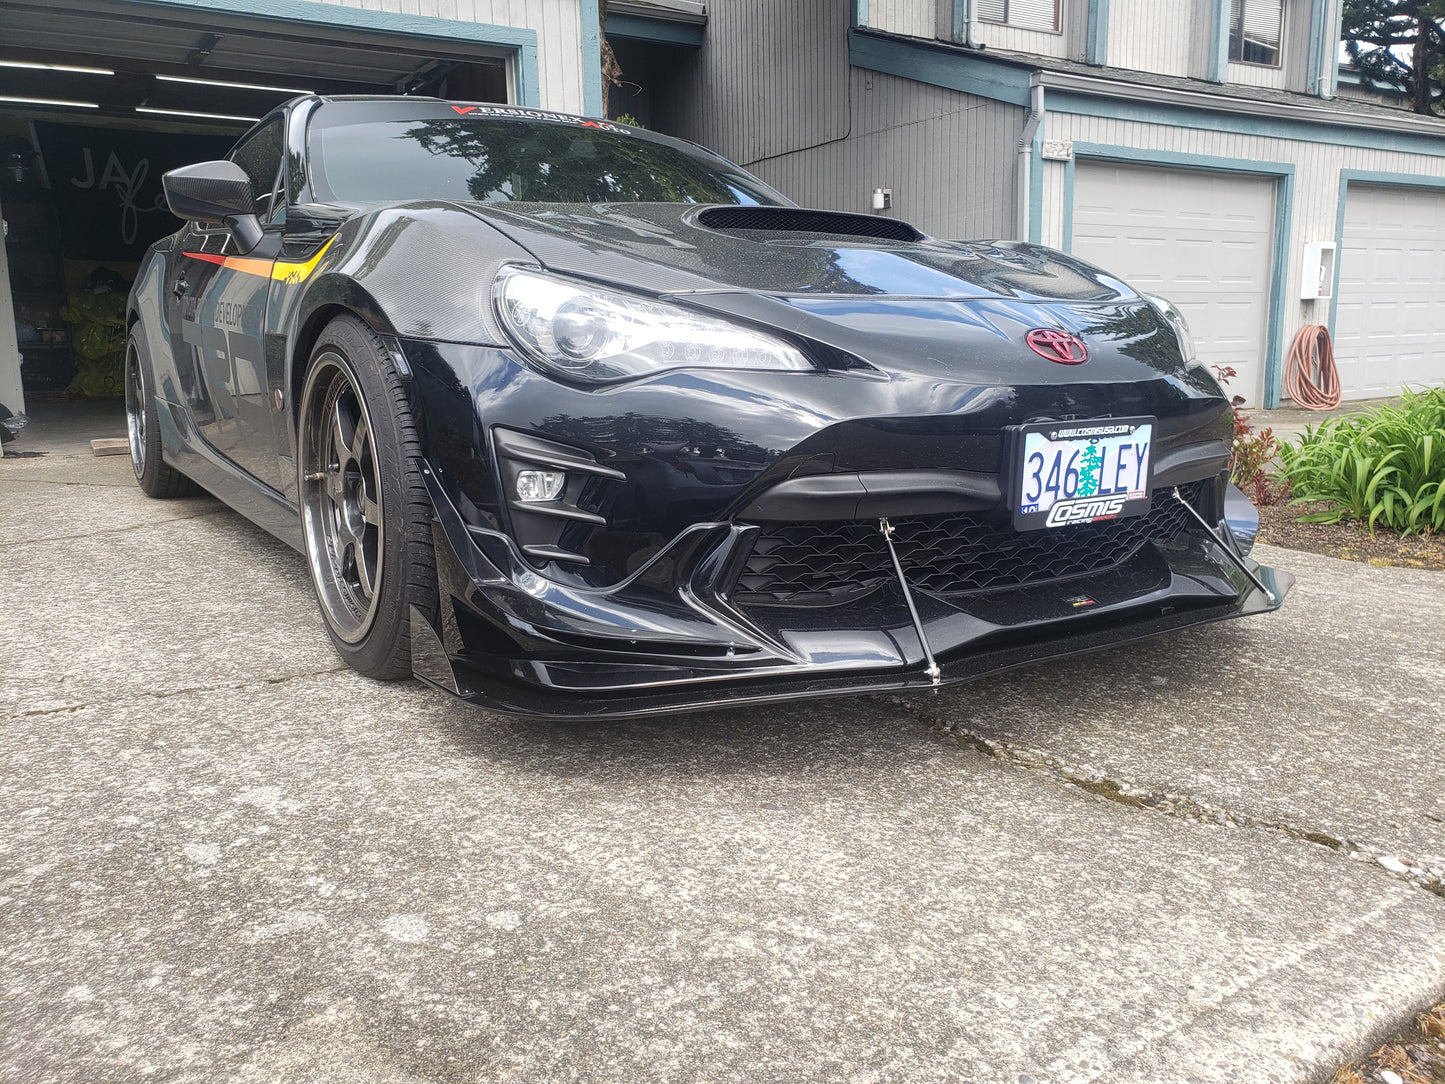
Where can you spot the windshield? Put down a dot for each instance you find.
(360, 156)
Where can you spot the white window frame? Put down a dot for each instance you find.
(1243, 12)
(1057, 28)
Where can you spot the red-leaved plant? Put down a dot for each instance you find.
(1251, 451)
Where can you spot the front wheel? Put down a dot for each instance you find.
(365, 511)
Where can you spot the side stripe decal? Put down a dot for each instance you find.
(279, 270)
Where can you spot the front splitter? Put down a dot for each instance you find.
(544, 699)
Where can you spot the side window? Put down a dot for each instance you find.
(1255, 31)
(1025, 14)
(260, 157)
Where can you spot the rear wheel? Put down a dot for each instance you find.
(365, 511)
(155, 477)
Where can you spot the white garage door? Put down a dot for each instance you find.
(1204, 240)
(1390, 319)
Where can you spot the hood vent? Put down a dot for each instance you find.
(802, 220)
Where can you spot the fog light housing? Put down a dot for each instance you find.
(540, 485)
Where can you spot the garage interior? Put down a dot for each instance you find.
(98, 98)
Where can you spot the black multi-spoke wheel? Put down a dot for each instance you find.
(363, 505)
(143, 427)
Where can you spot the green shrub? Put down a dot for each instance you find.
(1384, 468)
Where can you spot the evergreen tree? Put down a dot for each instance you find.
(1399, 43)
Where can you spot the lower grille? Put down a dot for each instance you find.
(820, 564)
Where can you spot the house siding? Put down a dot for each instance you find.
(1373, 96)
(1257, 75)
(769, 80)
(916, 18)
(946, 156)
(1161, 36)
(1039, 42)
(1057, 214)
(561, 70)
(771, 89)
(934, 19)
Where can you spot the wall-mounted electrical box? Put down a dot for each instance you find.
(882, 199)
(1317, 275)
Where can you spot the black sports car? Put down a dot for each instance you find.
(573, 419)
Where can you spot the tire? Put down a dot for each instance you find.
(155, 477)
(365, 511)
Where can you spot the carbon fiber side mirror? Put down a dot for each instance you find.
(215, 192)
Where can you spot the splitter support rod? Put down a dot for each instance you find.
(933, 671)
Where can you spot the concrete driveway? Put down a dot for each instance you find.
(1214, 858)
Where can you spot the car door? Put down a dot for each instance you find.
(218, 299)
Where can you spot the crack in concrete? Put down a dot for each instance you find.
(68, 482)
(1181, 806)
(113, 530)
(234, 686)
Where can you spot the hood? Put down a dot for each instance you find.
(788, 251)
(955, 311)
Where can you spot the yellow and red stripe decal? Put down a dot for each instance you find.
(279, 270)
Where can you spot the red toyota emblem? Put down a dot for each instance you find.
(1057, 346)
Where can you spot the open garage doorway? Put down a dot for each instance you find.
(98, 98)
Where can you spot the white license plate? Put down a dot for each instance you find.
(1068, 473)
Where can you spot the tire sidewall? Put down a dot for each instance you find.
(359, 356)
(149, 477)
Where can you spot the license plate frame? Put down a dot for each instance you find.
(1123, 479)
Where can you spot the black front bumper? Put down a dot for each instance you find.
(718, 541)
(517, 642)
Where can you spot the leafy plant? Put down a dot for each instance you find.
(1251, 451)
(1385, 468)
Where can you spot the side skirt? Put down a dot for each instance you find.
(183, 448)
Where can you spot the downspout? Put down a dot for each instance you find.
(1026, 152)
(1333, 68)
(1318, 80)
(964, 29)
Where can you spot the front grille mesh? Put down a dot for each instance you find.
(811, 564)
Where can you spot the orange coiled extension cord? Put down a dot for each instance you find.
(1312, 380)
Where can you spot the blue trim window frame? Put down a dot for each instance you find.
(1096, 48)
(519, 44)
(1217, 68)
(594, 94)
(1365, 176)
(1284, 174)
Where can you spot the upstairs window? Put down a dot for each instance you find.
(1025, 14)
(1255, 28)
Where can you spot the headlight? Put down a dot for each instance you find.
(598, 336)
(1175, 319)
